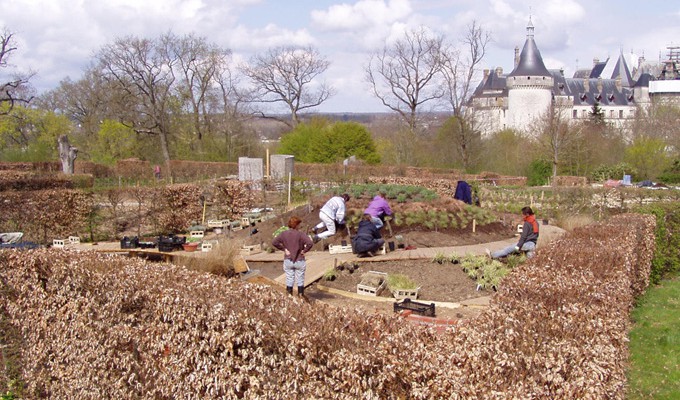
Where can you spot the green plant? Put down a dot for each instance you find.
(330, 274)
(439, 258)
(400, 281)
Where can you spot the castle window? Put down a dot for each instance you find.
(620, 113)
(575, 113)
(611, 114)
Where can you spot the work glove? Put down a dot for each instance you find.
(517, 248)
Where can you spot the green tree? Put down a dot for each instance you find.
(539, 172)
(596, 114)
(115, 141)
(322, 142)
(28, 134)
(648, 156)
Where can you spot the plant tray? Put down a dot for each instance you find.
(418, 308)
(401, 294)
(368, 289)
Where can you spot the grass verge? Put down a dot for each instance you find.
(655, 343)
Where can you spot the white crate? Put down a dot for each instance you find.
(401, 294)
(339, 249)
(207, 246)
(58, 243)
(197, 234)
(383, 249)
(218, 223)
(520, 227)
(369, 290)
(252, 249)
(74, 239)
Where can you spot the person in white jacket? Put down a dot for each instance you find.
(332, 213)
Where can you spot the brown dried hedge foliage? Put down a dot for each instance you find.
(44, 215)
(93, 326)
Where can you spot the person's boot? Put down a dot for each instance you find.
(289, 289)
(301, 293)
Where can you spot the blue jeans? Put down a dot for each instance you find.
(529, 247)
(295, 271)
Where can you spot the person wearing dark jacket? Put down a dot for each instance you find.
(368, 239)
(294, 245)
(527, 240)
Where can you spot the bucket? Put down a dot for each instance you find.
(391, 245)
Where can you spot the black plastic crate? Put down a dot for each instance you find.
(129, 243)
(426, 310)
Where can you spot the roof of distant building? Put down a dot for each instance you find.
(530, 60)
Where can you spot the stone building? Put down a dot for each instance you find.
(517, 99)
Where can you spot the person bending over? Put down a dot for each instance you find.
(368, 239)
(332, 213)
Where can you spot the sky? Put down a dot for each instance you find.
(58, 38)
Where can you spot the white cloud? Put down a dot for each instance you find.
(362, 14)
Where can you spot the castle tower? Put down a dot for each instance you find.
(529, 86)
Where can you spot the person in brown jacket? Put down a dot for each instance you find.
(294, 245)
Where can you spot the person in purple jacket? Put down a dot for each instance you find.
(378, 209)
(294, 244)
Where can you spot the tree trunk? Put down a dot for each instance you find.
(67, 155)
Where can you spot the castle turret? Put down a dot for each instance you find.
(529, 85)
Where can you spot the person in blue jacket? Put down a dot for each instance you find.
(368, 239)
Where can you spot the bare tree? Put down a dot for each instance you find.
(459, 69)
(14, 87)
(288, 76)
(142, 71)
(555, 135)
(199, 62)
(404, 75)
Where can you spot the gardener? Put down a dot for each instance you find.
(527, 240)
(378, 208)
(367, 241)
(294, 245)
(332, 213)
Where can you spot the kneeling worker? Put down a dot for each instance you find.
(368, 239)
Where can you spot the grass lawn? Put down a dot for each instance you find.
(655, 344)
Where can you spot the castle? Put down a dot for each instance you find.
(516, 100)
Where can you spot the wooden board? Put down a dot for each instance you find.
(240, 265)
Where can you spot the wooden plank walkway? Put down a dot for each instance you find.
(318, 262)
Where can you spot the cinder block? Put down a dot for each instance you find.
(197, 234)
(58, 243)
(74, 239)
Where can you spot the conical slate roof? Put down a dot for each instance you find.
(621, 70)
(530, 60)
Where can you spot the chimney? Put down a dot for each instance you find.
(595, 61)
(516, 56)
(586, 85)
(486, 74)
(499, 71)
(618, 83)
(599, 85)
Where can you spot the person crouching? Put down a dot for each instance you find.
(368, 239)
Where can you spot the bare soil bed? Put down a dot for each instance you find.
(439, 282)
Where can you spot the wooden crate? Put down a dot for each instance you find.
(339, 249)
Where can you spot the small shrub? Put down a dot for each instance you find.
(330, 274)
(400, 281)
(219, 261)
